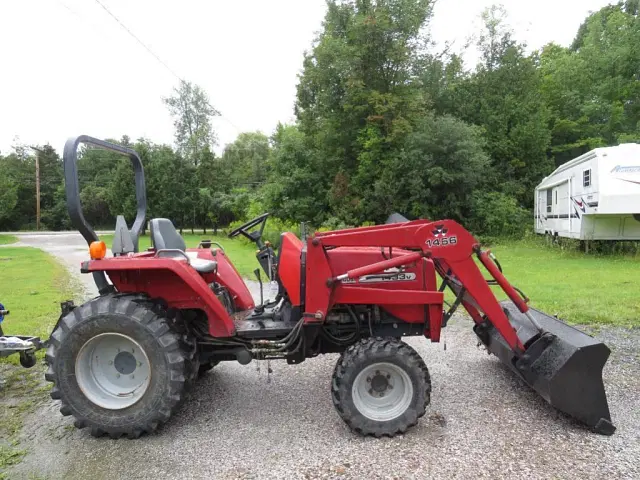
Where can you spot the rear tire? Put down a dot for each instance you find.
(94, 356)
(380, 387)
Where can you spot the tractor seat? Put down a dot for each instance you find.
(164, 236)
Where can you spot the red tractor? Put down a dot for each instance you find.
(120, 363)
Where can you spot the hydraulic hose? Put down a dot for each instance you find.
(346, 340)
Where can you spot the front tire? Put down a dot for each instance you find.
(380, 387)
(116, 366)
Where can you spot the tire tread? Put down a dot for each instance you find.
(348, 363)
(139, 309)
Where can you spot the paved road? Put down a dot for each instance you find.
(482, 423)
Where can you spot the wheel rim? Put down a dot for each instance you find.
(113, 371)
(382, 392)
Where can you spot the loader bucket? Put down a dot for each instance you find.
(564, 365)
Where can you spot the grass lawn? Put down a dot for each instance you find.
(243, 255)
(579, 288)
(32, 285)
(7, 239)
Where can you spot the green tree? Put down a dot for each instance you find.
(18, 172)
(106, 186)
(227, 207)
(296, 189)
(192, 113)
(502, 96)
(359, 96)
(121, 196)
(442, 76)
(436, 174)
(384, 124)
(245, 160)
(592, 88)
(95, 206)
(57, 217)
(175, 187)
(8, 198)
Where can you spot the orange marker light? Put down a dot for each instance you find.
(97, 250)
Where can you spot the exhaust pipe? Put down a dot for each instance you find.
(562, 364)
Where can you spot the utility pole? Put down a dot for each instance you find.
(38, 152)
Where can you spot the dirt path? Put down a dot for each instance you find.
(482, 422)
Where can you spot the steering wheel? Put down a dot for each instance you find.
(242, 229)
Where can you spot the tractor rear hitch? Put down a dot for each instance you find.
(66, 308)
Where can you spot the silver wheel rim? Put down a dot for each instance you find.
(382, 392)
(113, 371)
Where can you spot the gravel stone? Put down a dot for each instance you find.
(483, 422)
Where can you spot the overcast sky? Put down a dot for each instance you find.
(68, 68)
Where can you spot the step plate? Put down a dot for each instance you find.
(262, 327)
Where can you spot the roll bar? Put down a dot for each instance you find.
(70, 160)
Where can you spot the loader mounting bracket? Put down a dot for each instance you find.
(534, 348)
(482, 331)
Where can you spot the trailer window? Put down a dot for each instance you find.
(586, 178)
(549, 200)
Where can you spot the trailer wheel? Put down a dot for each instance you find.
(116, 367)
(380, 387)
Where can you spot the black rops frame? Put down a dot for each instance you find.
(70, 160)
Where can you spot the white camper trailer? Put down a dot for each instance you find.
(593, 197)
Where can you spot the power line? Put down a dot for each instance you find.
(139, 41)
(67, 7)
(162, 62)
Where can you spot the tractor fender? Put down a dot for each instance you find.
(227, 275)
(169, 279)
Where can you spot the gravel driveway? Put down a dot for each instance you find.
(482, 423)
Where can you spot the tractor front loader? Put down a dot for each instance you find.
(121, 362)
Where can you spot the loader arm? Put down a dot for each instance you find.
(445, 242)
(561, 363)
